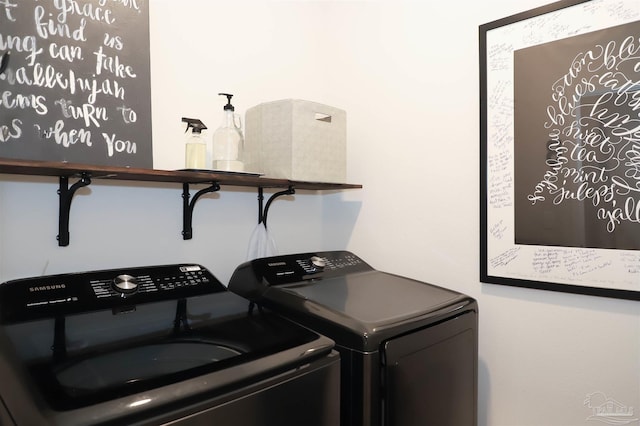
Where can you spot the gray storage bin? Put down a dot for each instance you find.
(296, 139)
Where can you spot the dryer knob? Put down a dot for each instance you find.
(125, 284)
(318, 262)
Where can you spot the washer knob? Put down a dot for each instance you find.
(318, 262)
(125, 284)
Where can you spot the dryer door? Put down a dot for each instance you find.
(431, 375)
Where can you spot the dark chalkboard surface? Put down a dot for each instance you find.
(577, 141)
(77, 83)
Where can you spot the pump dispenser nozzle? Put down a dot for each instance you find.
(228, 106)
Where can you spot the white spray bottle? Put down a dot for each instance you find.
(195, 156)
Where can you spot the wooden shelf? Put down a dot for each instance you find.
(85, 173)
(46, 168)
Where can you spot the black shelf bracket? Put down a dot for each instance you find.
(262, 212)
(65, 195)
(188, 205)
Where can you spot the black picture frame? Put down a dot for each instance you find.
(566, 265)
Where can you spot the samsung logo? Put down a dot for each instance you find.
(47, 287)
(277, 264)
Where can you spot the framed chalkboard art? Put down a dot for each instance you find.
(75, 81)
(560, 149)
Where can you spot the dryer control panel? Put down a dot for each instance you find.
(331, 263)
(59, 295)
(251, 278)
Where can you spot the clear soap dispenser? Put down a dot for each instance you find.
(228, 142)
(196, 147)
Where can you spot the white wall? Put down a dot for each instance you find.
(407, 75)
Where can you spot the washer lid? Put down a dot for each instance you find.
(365, 304)
(139, 363)
(101, 363)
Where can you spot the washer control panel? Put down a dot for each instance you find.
(125, 285)
(55, 295)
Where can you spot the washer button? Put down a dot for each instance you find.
(125, 284)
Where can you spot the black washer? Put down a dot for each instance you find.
(178, 349)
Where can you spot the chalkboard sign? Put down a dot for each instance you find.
(577, 141)
(76, 86)
(560, 148)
